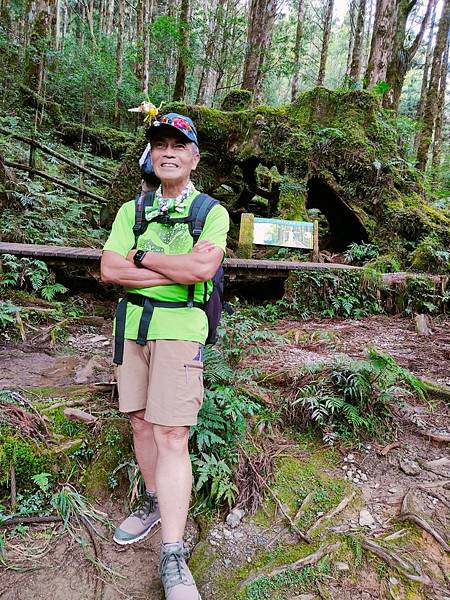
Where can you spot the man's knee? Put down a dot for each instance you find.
(139, 424)
(171, 439)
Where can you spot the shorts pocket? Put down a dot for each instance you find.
(193, 378)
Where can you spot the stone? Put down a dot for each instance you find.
(366, 519)
(364, 477)
(227, 534)
(76, 414)
(239, 535)
(341, 566)
(235, 517)
(409, 467)
(350, 457)
(393, 490)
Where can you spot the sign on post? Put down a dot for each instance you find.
(277, 232)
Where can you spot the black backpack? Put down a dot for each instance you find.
(198, 211)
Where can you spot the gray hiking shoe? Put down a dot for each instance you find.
(140, 522)
(176, 578)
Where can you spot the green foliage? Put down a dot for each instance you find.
(430, 256)
(327, 294)
(7, 312)
(350, 399)
(360, 253)
(30, 274)
(26, 458)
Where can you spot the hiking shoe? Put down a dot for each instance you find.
(176, 578)
(140, 522)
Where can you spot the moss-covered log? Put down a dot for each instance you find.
(334, 151)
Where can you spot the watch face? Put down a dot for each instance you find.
(139, 255)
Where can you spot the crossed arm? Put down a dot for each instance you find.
(162, 269)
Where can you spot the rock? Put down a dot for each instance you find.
(409, 467)
(76, 414)
(304, 597)
(350, 457)
(86, 373)
(239, 535)
(393, 490)
(422, 324)
(364, 477)
(341, 566)
(235, 517)
(366, 519)
(227, 534)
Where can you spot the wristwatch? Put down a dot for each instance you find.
(139, 257)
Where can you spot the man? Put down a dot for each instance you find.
(161, 383)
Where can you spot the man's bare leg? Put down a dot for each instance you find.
(144, 448)
(173, 479)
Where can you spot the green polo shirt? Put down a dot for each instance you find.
(188, 324)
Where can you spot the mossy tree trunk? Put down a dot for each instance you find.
(297, 47)
(355, 65)
(382, 42)
(402, 57)
(180, 79)
(437, 140)
(119, 60)
(430, 111)
(36, 52)
(325, 41)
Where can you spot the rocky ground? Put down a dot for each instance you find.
(376, 516)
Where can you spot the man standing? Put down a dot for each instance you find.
(160, 380)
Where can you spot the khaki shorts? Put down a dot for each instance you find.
(164, 377)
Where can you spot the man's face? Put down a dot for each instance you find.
(173, 157)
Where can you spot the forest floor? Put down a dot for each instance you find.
(40, 562)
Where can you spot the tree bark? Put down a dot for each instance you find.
(110, 21)
(351, 37)
(36, 53)
(430, 111)
(355, 65)
(425, 77)
(325, 41)
(266, 41)
(382, 42)
(437, 141)
(146, 50)
(297, 48)
(209, 54)
(180, 79)
(402, 57)
(259, 35)
(119, 60)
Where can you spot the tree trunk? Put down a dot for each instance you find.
(110, 22)
(437, 141)
(266, 41)
(41, 30)
(430, 111)
(355, 65)
(259, 35)
(425, 77)
(209, 54)
(351, 36)
(119, 60)
(325, 41)
(382, 42)
(297, 48)
(146, 50)
(402, 57)
(180, 80)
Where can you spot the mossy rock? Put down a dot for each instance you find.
(335, 151)
(237, 100)
(114, 446)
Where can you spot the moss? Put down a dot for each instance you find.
(237, 100)
(201, 562)
(430, 256)
(114, 446)
(27, 458)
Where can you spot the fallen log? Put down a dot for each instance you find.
(64, 184)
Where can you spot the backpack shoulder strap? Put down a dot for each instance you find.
(140, 224)
(198, 211)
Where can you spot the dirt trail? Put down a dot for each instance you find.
(64, 573)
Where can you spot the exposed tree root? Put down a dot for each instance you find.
(29, 520)
(396, 562)
(307, 561)
(331, 513)
(408, 513)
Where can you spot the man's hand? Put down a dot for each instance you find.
(130, 255)
(204, 246)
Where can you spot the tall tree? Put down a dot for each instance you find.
(325, 41)
(402, 56)
(355, 65)
(148, 19)
(430, 111)
(351, 37)
(382, 42)
(209, 53)
(180, 80)
(297, 48)
(261, 19)
(425, 76)
(437, 139)
(36, 53)
(119, 59)
(110, 17)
